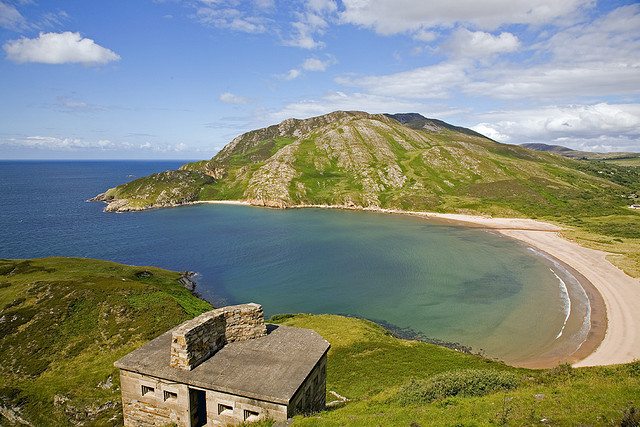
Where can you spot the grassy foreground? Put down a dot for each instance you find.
(64, 321)
(388, 383)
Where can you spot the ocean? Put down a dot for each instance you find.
(444, 282)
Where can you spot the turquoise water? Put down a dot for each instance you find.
(450, 283)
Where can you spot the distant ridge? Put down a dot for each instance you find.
(577, 154)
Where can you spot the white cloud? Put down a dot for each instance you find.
(11, 18)
(477, 44)
(310, 23)
(487, 130)
(572, 125)
(58, 48)
(550, 81)
(221, 15)
(230, 98)
(425, 36)
(342, 101)
(292, 74)
(68, 144)
(600, 58)
(398, 16)
(315, 64)
(434, 81)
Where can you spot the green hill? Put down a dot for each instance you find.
(408, 162)
(64, 321)
(402, 161)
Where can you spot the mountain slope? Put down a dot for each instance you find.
(403, 161)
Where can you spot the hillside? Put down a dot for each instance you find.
(400, 161)
(64, 321)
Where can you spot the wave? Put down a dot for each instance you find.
(566, 302)
(579, 293)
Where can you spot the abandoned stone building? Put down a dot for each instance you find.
(224, 367)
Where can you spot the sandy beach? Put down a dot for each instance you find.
(619, 292)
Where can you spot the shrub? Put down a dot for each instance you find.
(472, 382)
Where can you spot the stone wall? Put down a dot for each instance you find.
(243, 322)
(199, 338)
(151, 408)
(225, 409)
(312, 394)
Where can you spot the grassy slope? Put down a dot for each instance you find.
(65, 321)
(357, 158)
(369, 367)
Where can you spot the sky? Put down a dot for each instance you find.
(178, 79)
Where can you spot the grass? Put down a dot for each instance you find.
(386, 380)
(66, 321)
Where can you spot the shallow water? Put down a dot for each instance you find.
(451, 283)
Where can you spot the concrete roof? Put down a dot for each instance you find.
(269, 368)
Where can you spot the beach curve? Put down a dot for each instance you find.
(618, 341)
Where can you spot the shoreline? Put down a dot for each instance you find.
(614, 335)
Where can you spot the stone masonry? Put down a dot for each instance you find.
(224, 368)
(197, 339)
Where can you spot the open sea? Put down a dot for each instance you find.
(445, 282)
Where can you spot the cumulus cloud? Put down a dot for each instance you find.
(230, 98)
(399, 16)
(487, 130)
(570, 125)
(58, 48)
(476, 44)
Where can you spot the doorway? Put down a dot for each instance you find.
(198, 407)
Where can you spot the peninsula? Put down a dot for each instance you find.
(409, 164)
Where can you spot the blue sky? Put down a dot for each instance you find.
(180, 78)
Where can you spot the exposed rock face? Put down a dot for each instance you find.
(195, 340)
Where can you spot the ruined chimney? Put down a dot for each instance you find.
(197, 339)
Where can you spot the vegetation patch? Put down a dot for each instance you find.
(465, 383)
(65, 321)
